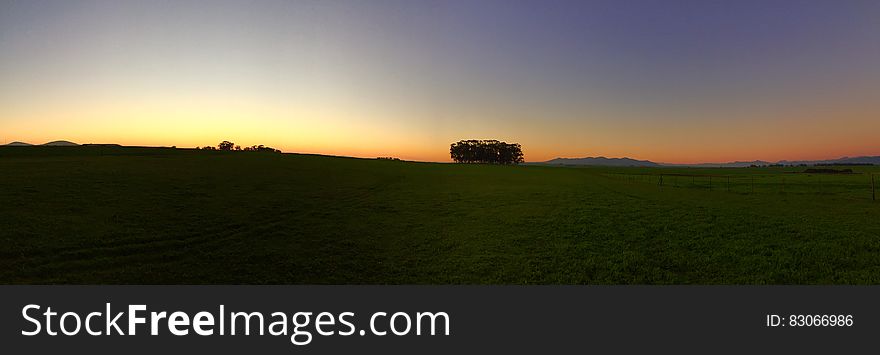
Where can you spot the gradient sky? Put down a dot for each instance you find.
(665, 80)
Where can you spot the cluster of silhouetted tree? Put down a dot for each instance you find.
(486, 151)
(260, 148)
(229, 146)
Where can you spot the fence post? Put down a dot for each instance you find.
(783, 184)
(710, 182)
(728, 183)
(753, 184)
(873, 191)
(661, 180)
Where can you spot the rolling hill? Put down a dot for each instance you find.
(60, 144)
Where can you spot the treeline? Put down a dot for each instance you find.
(486, 151)
(229, 146)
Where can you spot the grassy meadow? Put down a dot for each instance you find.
(155, 216)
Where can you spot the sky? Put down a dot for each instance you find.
(671, 81)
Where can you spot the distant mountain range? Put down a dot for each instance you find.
(845, 160)
(50, 144)
(600, 161)
(603, 161)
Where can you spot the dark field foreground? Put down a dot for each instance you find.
(155, 216)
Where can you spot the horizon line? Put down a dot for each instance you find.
(436, 161)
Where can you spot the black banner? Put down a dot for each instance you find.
(402, 319)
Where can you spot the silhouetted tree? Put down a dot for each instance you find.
(229, 146)
(225, 145)
(486, 151)
(261, 148)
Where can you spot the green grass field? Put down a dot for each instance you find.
(156, 216)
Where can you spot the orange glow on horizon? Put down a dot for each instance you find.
(324, 126)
